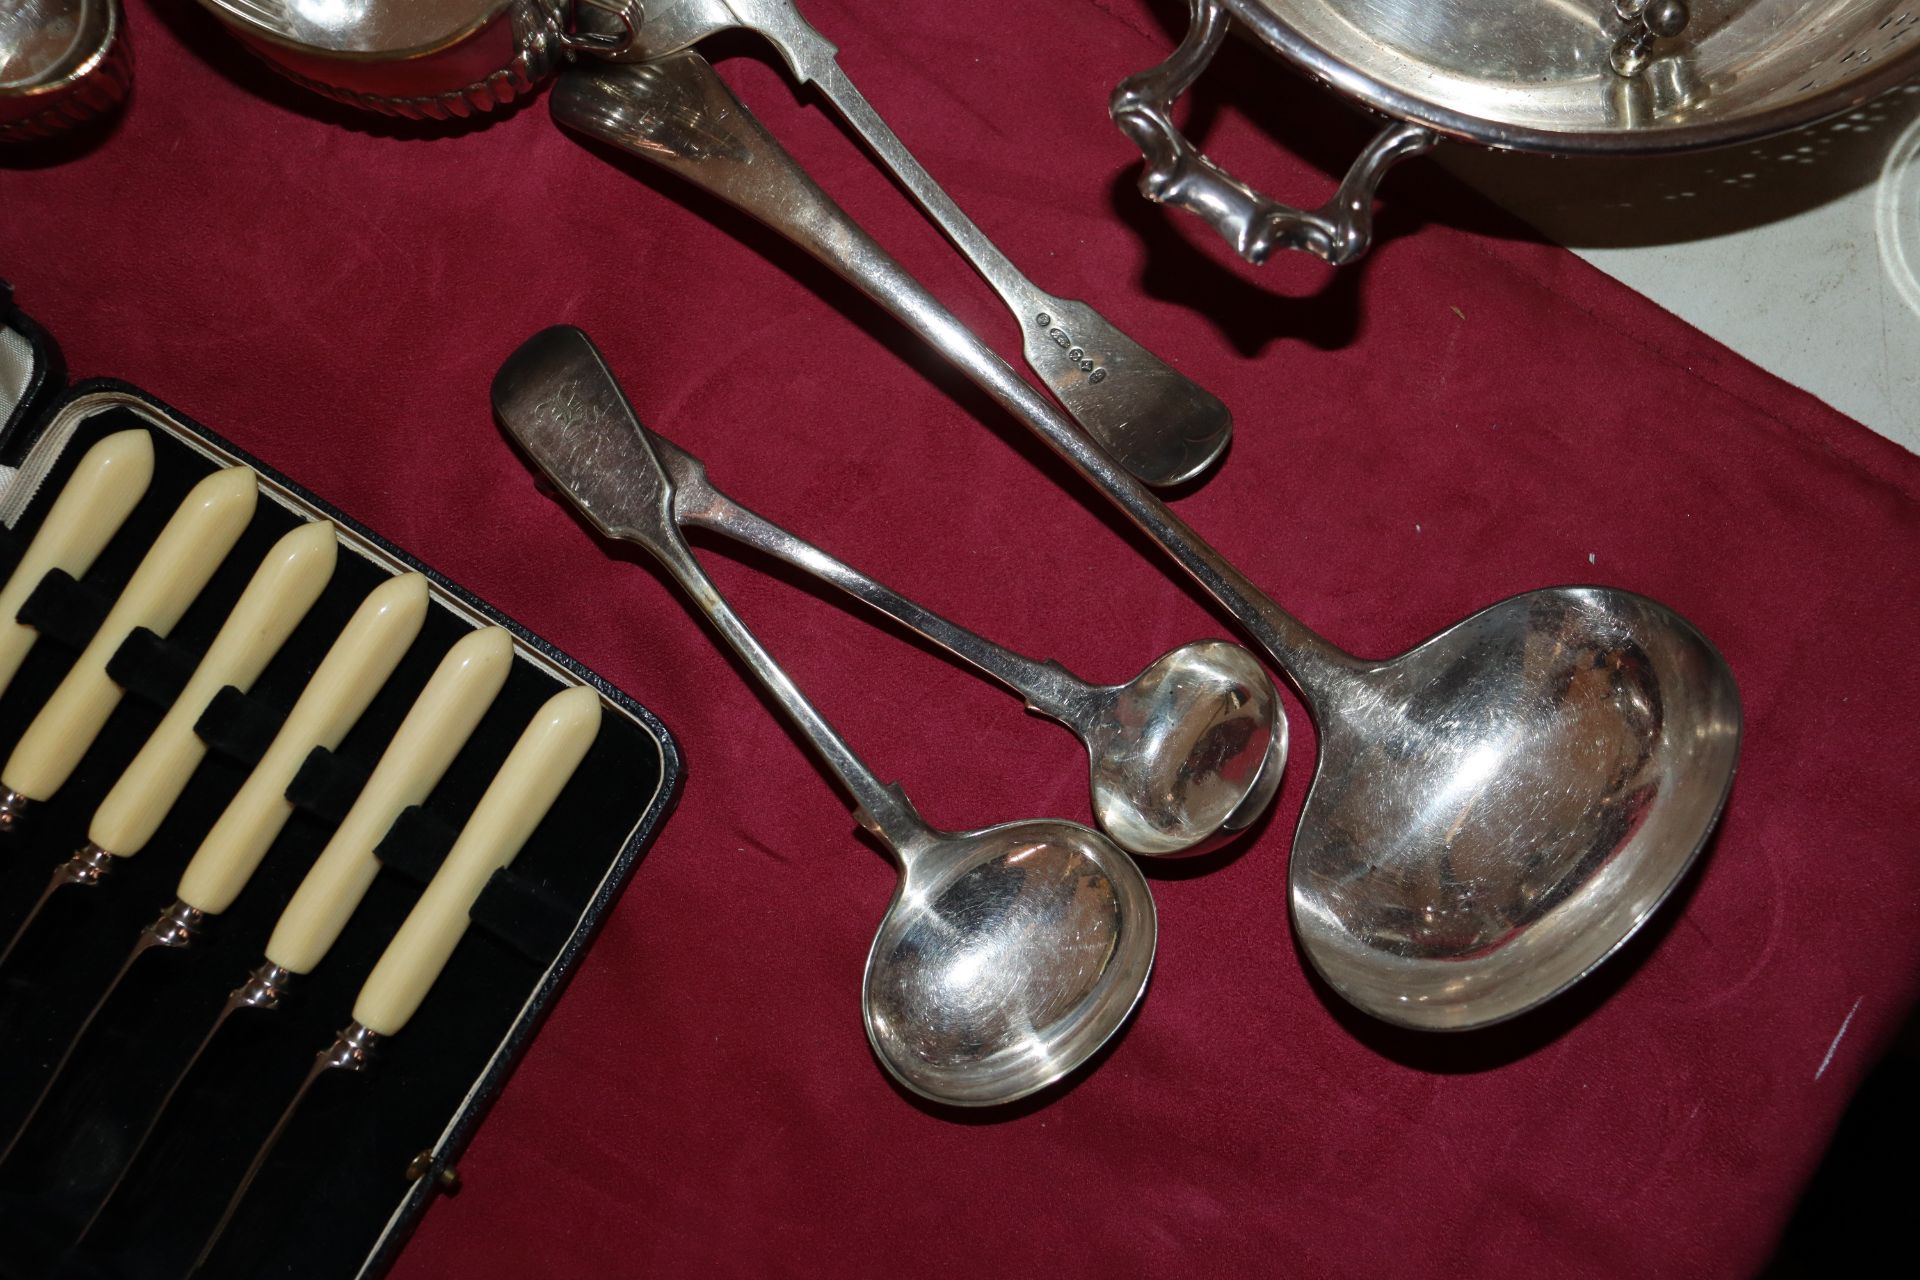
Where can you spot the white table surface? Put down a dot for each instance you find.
(1801, 252)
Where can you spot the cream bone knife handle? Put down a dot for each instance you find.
(541, 762)
(364, 655)
(105, 486)
(197, 538)
(282, 589)
(438, 725)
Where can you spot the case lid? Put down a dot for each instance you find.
(31, 374)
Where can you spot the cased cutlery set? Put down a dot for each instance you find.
(224, 702)
(263, 776)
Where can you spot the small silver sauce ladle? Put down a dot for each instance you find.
(1181, 758)
(1493, 812)
(1008, 955)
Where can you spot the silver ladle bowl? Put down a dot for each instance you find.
(1169, 754)
(1005, 959)
(1497, 810)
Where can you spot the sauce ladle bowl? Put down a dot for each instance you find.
(1008, 955)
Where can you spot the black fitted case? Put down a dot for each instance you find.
(367, 1151)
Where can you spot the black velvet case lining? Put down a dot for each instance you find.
(343, 1186)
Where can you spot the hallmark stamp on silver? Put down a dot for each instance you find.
(1064, 340)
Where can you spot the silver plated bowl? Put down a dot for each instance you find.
(1570, 77)
(63, 63)
(423, 59)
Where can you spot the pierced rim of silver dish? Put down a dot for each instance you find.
(1740, 70)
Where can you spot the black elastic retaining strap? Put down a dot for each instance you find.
(150, 668)
(63, 610)
(326, 786)
(238, 727)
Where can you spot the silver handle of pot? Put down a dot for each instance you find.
(1339, 231)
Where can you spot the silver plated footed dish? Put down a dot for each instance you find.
(1575, 77)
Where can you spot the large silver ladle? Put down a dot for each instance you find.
(1009, 955)
(1181, 758)
(1493, 812)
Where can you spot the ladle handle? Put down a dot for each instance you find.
(556, 396)
(678, 114)
(1156, 422)
(883, 807)
(813, 59)
(1048, 687)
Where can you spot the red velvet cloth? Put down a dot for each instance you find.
(1466, 415)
